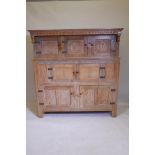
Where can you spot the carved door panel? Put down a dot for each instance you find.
(88, 72)
(99, 45)
(94, 95)
(74, 45)
(59, 96)
(47, 46)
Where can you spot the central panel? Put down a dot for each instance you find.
(75, 45)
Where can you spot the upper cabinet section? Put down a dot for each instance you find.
(76, 43)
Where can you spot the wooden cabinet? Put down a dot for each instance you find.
(76, 70)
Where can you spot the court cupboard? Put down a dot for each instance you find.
(76, 69)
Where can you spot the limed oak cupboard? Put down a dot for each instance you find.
(76, 69)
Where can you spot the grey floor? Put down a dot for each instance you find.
(78, 133)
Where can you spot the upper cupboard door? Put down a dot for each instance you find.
(64, 72)
(47, 73)
(74, 45)
(46, 46)
(98, 72)
(101, 45)
(88, 72)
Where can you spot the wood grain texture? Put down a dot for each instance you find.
(76, 70)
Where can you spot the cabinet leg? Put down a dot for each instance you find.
(40, 111)
(114, 110)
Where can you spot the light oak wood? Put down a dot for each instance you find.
(76, 70)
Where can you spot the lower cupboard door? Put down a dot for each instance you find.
(91, 96)
(59, 96)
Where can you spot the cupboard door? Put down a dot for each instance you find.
(58, 96)
(88, 95)
(64, 72)
(94, 95)
(46, 46)
(74, 45)
(100, 45)
(103, 95)
(95, 72)
(88, 72)
(46, 73)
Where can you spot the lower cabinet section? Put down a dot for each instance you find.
(77, 98)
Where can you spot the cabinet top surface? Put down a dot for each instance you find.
(55, 32)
